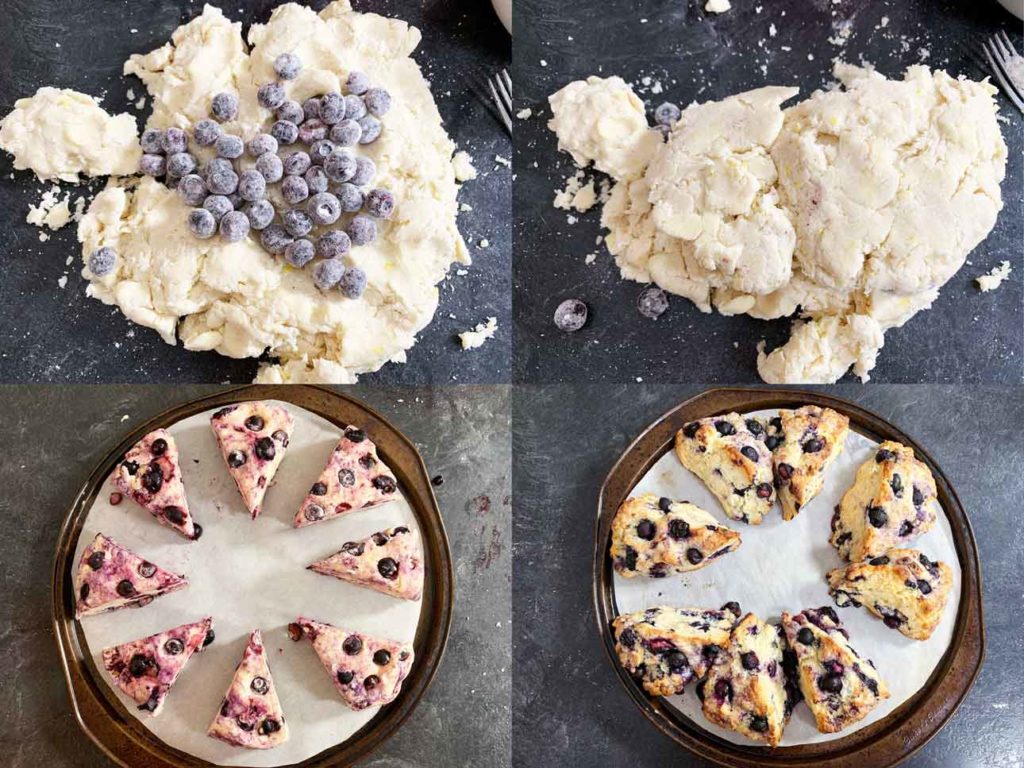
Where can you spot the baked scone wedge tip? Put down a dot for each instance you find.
(110, 577)
(655, 536)
(251, 715)
(150, 475)
(729, 455)
(355, 478)
(147, 668)
(253, 439)
(366, 671)
(902, 587)
(804, 443)
(389, 561)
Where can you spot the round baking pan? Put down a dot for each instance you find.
(104, 717)
(882, 744)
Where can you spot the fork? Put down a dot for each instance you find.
(1007, 66)
(501, 93)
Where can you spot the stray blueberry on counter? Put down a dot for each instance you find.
(205, 133)
(180, 164)
(274, 239)
(153, 165)
(201, 223)
(102, 261)
(352, 283)
(312, 130)
(350, 196)
(285, 132)
(327, 273)
(270, 95)
(217, 205)
(297, 222)
(332, 108)
(152, 141)
(316, 179)
(291, 111)
(361, 230)
(287, 66)
(224, 107)
(222, 181)
(251, 185)
(357, 83)
(346, 133)
(571, 315)
(371, 128)
(234, 226)
(380, 203)
(260, 214)
(299, 253)
(270, 166)
(311, 108)
(355, 107)
(365, 171)
(323, 208)
(296, 164)
(332, 244)
(320, 150)
(260, 144)
(192, 189)
(339, 166)
(174, 140)
(230, 146)
(652, 302)
(294, 190)
(667, 114)
(378, 101)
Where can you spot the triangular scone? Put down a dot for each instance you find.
(145, 669)
(654, 536)
(888, 505)
(665, 648)
(728, 453)
(839, 685)
(355, 478)
(367, 671)
(150, 475)
(111, 577)
(902, 587)
(253, 439)
(804, 443)
(745, 690)
(389, 561)
(251, 714)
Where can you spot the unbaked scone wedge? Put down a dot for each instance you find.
(389, 561)
(251, 714)
(804, 443)
(655, 536)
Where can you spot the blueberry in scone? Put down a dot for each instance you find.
(251, 714)
(145, 669)
(745, 690)
(110, 577)
(253, 439)
(655, 536)
(389, 561)
(804, 443)
(665, 648)
(839, 685)
(150, 474)
(888, 505)
(367, 671)
(902, 587)
(729, 455)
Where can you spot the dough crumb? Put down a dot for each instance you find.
(524, 114)
(51, 211)
(995, 278)
(717, 6)
(463, 165)
(476, 337)
(503, 161)
(576, 195)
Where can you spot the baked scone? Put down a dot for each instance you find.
(902, 587)
(150, 475)
(355, 478)
(745, 689)
(804, 443)
(665, 647)
(839, 685)
(389, 561)
(110, 577)
(888, 505)
(253, 438)
(367, 671)
(251, 714)
(145, 669)
(728, 453)
(654, 536)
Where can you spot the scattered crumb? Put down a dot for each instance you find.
(590, 258)
(465, 207)
(543, 63)
(476, 337)
(995, 278)
(463, 165)
(484, 243)
(503, 161)
(576, 195)
(51, 211)
(524, 114)
(717, 6)
(62, 281)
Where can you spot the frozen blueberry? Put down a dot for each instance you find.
(201, 223)
(324, 208)
(571, 315)
(355, 108)
(260, 214)
(229, 146)
(152, 141)
(174, 140)
(316, 179)
(234, 226)
(352, 283)
(346, 133)
(311, 108)
(320, 150)
(287, 66)
(371, 128)
(205, 133)
(270, 167)
(380, 203)
(361, 230)
(667, 114)
(296, 164)
(180, 164)
(312, 130)
(299, 253)
(366, 169)
(332, 244)
(270, 95)
(260, 144)
(357, 83)
(291, 111)
(285, 132)
(153, 165)
(340, 166)
(222, 181)
(274, 239)
(327, 273)
(652, 302)
(102, 261)
(294, 190)
(351, 197)
(377, 101)
(216, 164)
(332, 108)
(218, 205)
(224, 107)
(192, 189)
(251, 185)
(297, 222)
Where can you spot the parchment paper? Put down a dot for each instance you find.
(248, 574)
(782, 566)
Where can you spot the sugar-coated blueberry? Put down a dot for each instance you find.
(332, 108)
(234, 226)
(571, 315)
(102, 261)
(174, 140)
(294, 189)
(357, 83)
(192, 189)
(311, 108)
(285, 132)
(377, 101)
(260, 214)
(260, 144)
(224, 107)
(222, 182)
(296, 164)
(667, 114)
(201, 223)
(251, 185)
(346, 133)
(299, 253)
(180, 164)
(366, 169)
(371, 128)
(205, 133)
(350, 196)
(152, 141)
(217, 205)
(274, 239)
(380, 203)
(270, 167)
(291, 111)
(297, 222)
(323, 208)
(362, 230)
(327, 273)
(316, 179)
(339, 166)
(312, 130)
(320, 150)
(332, 244)
(153, 165)
(352, 283)
(229, 146)
(287, 66)
(355, 108)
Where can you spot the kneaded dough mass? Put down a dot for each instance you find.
(237, 299)
(852, 207)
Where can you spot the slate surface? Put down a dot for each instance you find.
(462, 434)
(569, 708)
(966, 336)
(53, 333)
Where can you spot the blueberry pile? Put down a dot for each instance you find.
(320, 181)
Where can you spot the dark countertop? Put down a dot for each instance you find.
(51, 333)
(966, 336)
(462, 434)
(569, 708)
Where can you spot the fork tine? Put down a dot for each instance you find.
(998, 49)
(506, 93)
(506, 118)
(1007, 87)
(508, 80)
(1008, 42)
